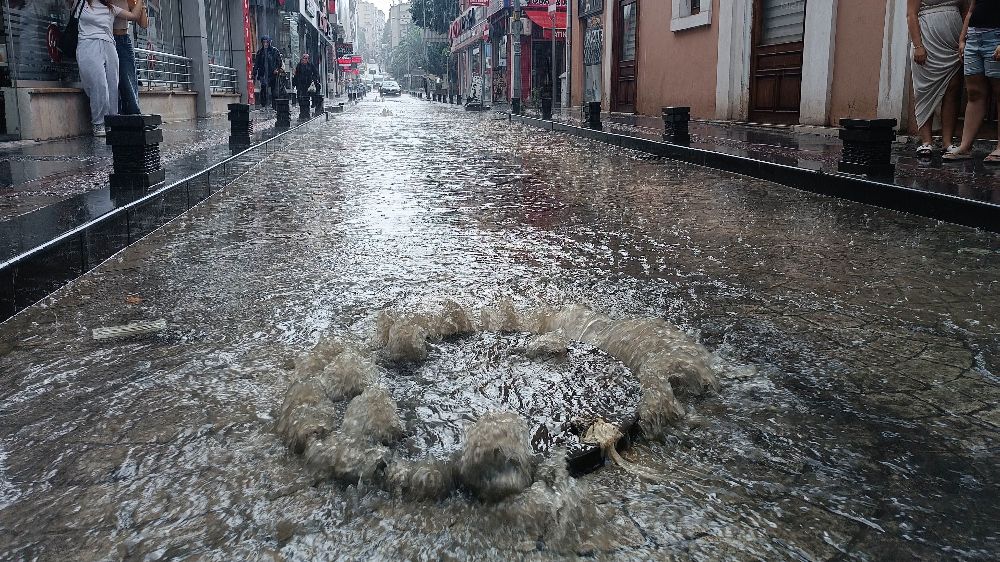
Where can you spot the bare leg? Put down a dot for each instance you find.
(977, 88)
(926, 136)
(949, 110)
(995, 84)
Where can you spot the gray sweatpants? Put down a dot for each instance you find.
(98, 61)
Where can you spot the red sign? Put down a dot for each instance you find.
(248, 43)
(356, 59)
(52, 41)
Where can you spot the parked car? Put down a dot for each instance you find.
(390, 88)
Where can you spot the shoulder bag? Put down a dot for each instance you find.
(70, 35)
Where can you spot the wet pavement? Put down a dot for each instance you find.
(64, 184)
(857, 419)
(788, 146)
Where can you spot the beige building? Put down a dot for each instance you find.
(765, 61)
(370, 25)
(399, 23)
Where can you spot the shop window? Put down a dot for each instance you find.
(164, 34)
(688, 14)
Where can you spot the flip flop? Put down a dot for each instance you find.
(925, 151)
(992, 158)
(952, 156)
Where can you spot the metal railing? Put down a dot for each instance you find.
(222, 78)
(162, 70)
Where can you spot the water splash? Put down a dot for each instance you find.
(496, 459)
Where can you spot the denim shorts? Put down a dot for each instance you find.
(980, 44)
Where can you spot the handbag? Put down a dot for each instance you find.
(69, 38)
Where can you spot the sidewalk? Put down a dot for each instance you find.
(818, 150)
(55, 186)
(36, 174)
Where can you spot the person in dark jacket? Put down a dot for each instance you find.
(305, 75)
(266, 68)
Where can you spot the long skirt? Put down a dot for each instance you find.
(939, 30)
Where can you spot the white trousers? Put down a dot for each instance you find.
(98, 61)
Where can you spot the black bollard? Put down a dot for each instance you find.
(867, 147)
(459, 99)
(318, 100)
(240, 126)
(592, 115)
(515, 106)
(284, 112)
(304, 107)
(547, 109)
(675, 125)
(135, 144)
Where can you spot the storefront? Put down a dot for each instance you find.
(538, 25)
(40, 91)
(470, 48)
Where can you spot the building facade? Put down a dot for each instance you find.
(483, 46)
(193, 60)
(794, 62)
(399, 23)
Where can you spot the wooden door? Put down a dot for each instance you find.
(776, 60)
(623, 87)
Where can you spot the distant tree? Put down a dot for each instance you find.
(435, 15)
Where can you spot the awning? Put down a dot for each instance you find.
(543, 19)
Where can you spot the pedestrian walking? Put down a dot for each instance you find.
(935, 28)
(306, 75)
(427, 91)
(266, 69)
(97, 57)
(980, 46)
(128, 75)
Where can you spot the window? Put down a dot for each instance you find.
(690, 13)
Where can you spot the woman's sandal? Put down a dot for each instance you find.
(925, 151)
(992, 158)
(954, 156)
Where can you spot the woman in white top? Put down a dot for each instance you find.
(98, 59)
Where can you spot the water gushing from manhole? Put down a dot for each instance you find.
(443, 400)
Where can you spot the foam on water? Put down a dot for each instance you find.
(496, 459)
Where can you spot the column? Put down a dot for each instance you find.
(894, 75)
(238, 49)
(732, 86)
(196, 47)
(817, 66)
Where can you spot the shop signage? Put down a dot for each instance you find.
(310, 10)
(541, 5)
(344, 49)
(479, 2)
(593, 38)
(588, 7)
(248, 44)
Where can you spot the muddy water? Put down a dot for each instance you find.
(864, 425)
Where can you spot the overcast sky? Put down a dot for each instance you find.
(383, 5)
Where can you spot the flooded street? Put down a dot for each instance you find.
(856, 351)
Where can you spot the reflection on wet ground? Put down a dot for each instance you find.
(48, 207)
(866, 428)
(36, 175)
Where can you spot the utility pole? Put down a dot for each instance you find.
(515, 71)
